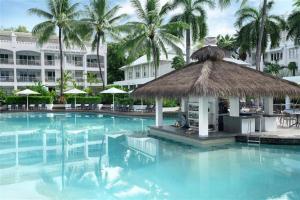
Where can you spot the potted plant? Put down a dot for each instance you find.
(49, 105)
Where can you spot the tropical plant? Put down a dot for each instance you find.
(227, 42)
(249, 22)
(273, 68)
(293, 23)
(2, 95)
(194, 15)
(178, 62)
(67, 78)
(61, 15)
(292, 66)
(101, 22)
(150, 35)
(40, 88)
(91, 78)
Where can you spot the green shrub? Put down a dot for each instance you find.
(84, 100)
(31, 100)
(170, 103)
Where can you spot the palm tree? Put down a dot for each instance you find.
(101, 22)
(293, 22)
(178, 62)
(61, 16)
(91, 78)
(150, 34)
(228, 43)
(273, 68)
(292, 66)
(194, 15)
(249, 20)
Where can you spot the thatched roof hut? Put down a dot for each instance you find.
(213, 76)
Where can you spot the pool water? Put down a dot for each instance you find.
(92, 156)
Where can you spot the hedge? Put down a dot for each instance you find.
(31, 100)
(84, 100)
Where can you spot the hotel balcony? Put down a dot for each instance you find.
(92, 64)
(49, 62)
(50, 79)
(28, 62)
(28, 58)
(6, 79)
(6, 61)
(28, 79)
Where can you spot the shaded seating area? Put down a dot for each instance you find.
(202, 84)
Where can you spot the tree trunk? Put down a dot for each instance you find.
(61, 66)
(154, 56)
(260, 35)
(98, 61)
(188, 46)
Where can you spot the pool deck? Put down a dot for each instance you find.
(283, 136)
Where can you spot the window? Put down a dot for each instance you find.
(292, 53)
(145, 73)
(137, 72)
(130, 71)
(152, 71)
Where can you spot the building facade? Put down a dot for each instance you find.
(23, 62)
(285, 53)
(140, 71)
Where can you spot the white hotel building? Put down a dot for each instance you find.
(140, 71)
(285, 53)
(23, 62)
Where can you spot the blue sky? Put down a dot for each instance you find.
(14, 13)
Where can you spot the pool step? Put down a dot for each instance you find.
(253, 139)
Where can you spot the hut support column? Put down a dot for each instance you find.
(234, 103)
(184, 105)
(268, 105)
(287, 103)
(158, 111)
(203, 116)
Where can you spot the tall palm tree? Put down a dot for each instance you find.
(101, 22)
(150, 34)
(194, 15)
(249, 21)
(293, 23)
(60, 16)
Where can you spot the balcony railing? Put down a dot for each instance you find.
(6, 61)
(50, 79)
(28, 79)
(78, 63)
(92, 64)
(28, 62)
(50, 62)
(6, 79)
(79, 79)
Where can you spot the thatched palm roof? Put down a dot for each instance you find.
(213, 76)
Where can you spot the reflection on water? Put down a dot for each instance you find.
(86, 156)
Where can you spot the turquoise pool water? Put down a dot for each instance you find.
(91, 156)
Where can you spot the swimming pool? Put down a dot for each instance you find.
(93, 156)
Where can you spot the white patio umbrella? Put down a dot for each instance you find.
(27, 92)
(113, 91)
(75, 91)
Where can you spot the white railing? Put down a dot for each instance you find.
(50, 62)
(50, 79)
(28, 62)
(92, 64)
(6, 79)
(6, 61)
(28, 79)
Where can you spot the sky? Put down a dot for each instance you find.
(14, 13)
